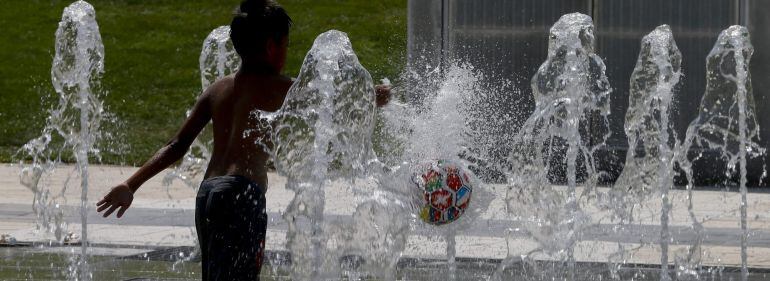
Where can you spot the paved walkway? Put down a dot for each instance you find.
(163, 217)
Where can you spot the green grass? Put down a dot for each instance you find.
(151, 57)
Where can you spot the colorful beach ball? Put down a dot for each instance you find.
(446, 191)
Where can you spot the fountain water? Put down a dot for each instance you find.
(438, 129)
(218, 59)
(571, 93)
(726, 127)
(569, 88)
(651, 135)
(73, 125)
(322, 138)
(322, 133)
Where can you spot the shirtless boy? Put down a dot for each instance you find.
(230, 213)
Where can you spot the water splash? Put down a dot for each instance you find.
(651, 135)
(73, 125)
(727, 127)
(438, 128)
(46, 202)
(569, 88)
(218, 59)
(380, 234)
(323, 133)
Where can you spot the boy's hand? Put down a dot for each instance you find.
(120, 196)
(383, 94)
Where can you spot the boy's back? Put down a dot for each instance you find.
(230, 215)
(236, 130)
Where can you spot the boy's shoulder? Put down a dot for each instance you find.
(223, 83)
(219, 87)
(229, 86)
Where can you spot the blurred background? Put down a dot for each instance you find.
(151, 59)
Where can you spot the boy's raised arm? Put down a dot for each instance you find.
(122, 195)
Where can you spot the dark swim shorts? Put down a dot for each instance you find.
(231, 222)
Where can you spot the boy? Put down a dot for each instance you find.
(230, 213)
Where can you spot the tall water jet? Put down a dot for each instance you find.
(726, 127)
(74, 124)
(218, 59)
(651, 135)
(323, 133)
(570, 88)
(77, 69)
(218, 56)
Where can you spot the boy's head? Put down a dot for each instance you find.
(259, 32)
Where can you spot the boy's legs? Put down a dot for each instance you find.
(231, 222)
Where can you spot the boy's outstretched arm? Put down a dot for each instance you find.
(121, 196)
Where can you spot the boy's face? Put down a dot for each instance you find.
(276, 53)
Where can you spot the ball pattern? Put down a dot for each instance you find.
(446, 191)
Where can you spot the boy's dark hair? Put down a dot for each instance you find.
(255, 22)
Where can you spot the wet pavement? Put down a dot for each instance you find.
(163, 218)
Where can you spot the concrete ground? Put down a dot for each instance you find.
(163, 217)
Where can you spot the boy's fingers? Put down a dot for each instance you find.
(104, 200)
(122, 210)
(112, 209)
(103, 206)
